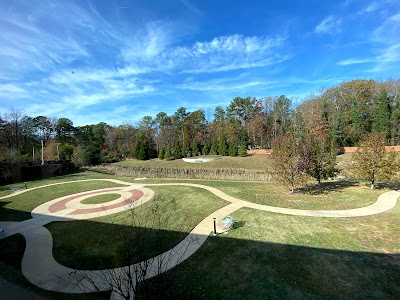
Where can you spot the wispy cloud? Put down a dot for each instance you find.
(389, 31)
(372, 7)
(12, 91)
(354, 61)
(220, 85)
(222, 53)
(329, 25)
(190, 6)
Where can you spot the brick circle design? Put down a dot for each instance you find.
(71, 207)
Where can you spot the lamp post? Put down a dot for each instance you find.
(41, 142)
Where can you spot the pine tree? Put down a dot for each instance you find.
(222, 147)
(242, 150)
(205, 149)
(195, 148)
(214, 146)
(137, 148)
(161, 154)
(382, 115)
(177, 151)
(167, 155)
(186, 149)
(232, 149)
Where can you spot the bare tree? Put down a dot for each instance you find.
(147, 229)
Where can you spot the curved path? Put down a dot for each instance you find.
(40, 268)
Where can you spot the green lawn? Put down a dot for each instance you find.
(253, 162)
(75, 245)
(267, 256)
(329, 195)
(98, 199)
(18, 208)
(274, 256)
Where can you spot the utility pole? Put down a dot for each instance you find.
(41, 141)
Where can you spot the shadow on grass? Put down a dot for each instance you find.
(7, 214)
(327, 187)
(238, 224)
(389, 185)
(223, 267)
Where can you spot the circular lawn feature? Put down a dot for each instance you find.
(99, 199)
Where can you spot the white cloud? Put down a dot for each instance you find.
(67, 65)
(12, 91)
(372, 7)
(353, 61)
(31, 46)
(219, 85)
(224, 53)
(329, 25)
(389, 31)
(147, 43)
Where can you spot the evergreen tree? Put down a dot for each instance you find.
(137, 148)
(214, 146)
(177, 151)
(222, 147)
(161, 154)
(186, 149)
(381, 121)
(232, 149)
(195, 148)
(205, 149)
(167, 155)
(242, 150)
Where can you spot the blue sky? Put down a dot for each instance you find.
(117, 61)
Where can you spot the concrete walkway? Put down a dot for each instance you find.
(40, 268)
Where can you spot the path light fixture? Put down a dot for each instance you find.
(215, 226)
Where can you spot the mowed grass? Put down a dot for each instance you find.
(329, 195)
(101, 243)
(98, 199)
(268, 256)
(252, 162)
(18, 208)
(273, 256)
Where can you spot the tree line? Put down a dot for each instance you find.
(338, 116)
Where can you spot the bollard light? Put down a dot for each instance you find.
(26, 185)
(215, 226)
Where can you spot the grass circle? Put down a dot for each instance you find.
(103, 198)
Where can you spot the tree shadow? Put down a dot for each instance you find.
(223, 267)
(388, 185)
(238, 224)
(7, 214)
(327, 187)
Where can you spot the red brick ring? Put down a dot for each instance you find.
(71, 206)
